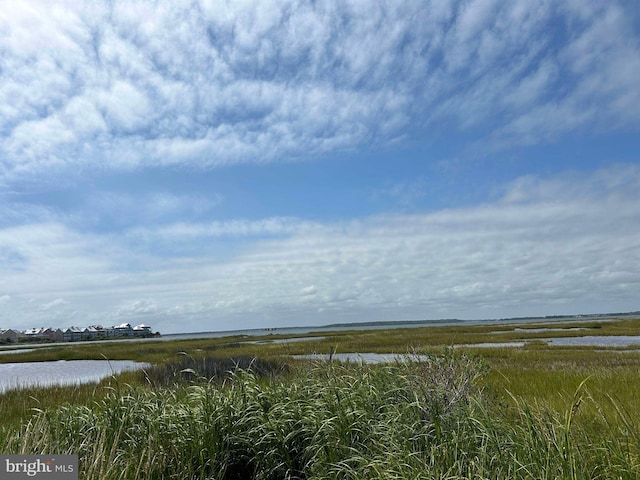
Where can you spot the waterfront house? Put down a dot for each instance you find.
(98, 331)
(142, 330)
(75, 334)
(49, 334)
(35, 334)
(9, 336)
(40, 334)
(90, 333)
(123, 330)
(72, 334)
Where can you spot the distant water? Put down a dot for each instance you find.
(365, 357)
(62, 372)
(596, 341)
(611, 341)
(492, 345)
(373, 326)
(540, 330)
(16, 350)
(259, 332)
(268, 341)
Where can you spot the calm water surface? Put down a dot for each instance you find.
(16, 350)
(360, 357)
(62, 372)
(596, 341)
(492, 345)
(585, 341)
(282, 340)
(539, 330)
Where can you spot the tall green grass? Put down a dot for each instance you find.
(189, 369)
(420, 418)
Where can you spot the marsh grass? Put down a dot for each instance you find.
(20, 404)
(421, 418)
(335, 421)
(186, 369)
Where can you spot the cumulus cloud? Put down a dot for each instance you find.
(534, 250)
(116, 85)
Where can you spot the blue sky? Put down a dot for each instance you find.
(226, 165)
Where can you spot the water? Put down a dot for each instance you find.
(282, 340)
(492, 345)
(366, 357)
(540, 330)
(16, 350)
(596, 341)
(259, 332)
(586, 341)
(62, 372)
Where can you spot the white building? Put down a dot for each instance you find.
(142, 330)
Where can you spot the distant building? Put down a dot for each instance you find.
(9, 335)
(75, 334)
(90, 333)
(58, 335)
(72, 334)
(40, 334)
(50, 334)
(97, 331)
(35, 333)
(142, 330)
(123, 330)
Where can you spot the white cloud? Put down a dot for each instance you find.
(239, 228)
(567, 243)
(82, 116)
(620, 181)
(127, 107)
(115, 85)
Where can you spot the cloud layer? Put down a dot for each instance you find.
(123, 85)
(116, 116)
(562, 243)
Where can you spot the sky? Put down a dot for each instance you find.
(221, 165)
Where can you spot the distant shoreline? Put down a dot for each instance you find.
(305, 330)
(392, 324)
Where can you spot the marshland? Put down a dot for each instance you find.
(242, 407)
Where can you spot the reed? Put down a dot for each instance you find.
(427, 417)
(188, 369)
